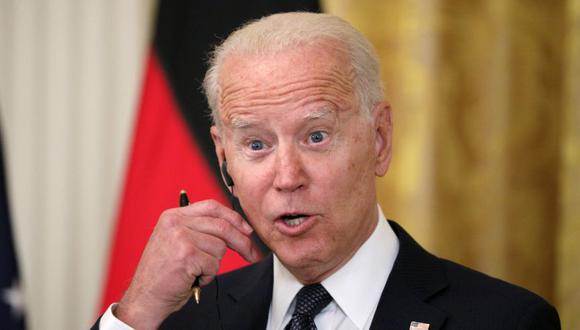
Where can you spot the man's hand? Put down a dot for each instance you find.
(187, 242)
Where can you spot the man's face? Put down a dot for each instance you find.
(302, 154)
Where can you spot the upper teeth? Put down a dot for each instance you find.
(294, 221)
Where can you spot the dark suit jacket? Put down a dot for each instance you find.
(421, 287)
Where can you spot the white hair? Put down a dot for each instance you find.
(288, 30)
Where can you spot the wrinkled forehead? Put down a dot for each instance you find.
(289, 79)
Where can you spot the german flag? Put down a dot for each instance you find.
(172, 147)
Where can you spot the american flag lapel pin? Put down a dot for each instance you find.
(419, 326)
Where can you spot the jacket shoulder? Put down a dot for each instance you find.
(477, 298)
(468, 299)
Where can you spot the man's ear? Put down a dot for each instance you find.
(218, 145)
(383, 137)
(221, 155)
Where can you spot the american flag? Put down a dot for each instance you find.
(419, 326)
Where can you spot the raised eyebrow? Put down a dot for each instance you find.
(317, 114)
(238, 123)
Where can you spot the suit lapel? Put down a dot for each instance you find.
(416, 276)
(245, 299)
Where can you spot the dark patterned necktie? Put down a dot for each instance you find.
(310, 300)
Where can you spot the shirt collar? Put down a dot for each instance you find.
(356, 287)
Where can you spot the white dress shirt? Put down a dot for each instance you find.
(355, 288)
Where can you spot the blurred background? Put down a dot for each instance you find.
(486, 165)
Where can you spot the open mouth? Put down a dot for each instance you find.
(294, 219)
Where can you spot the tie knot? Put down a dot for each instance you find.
(311, 299)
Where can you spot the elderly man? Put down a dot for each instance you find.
(301, 131)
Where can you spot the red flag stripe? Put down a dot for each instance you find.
(164, 159)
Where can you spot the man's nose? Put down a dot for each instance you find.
(290, 175)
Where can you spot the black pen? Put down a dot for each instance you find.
(195, 288)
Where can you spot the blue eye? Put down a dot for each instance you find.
(256, 145)
(317, 137)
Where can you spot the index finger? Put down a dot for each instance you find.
(212, 208)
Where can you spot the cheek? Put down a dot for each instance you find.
(356, 176)
(360, 160)
(343, 181)
(251, 185)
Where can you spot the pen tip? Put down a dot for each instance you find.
(196, 294)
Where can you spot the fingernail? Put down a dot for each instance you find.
(247, 227)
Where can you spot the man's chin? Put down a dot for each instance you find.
(306, 266)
